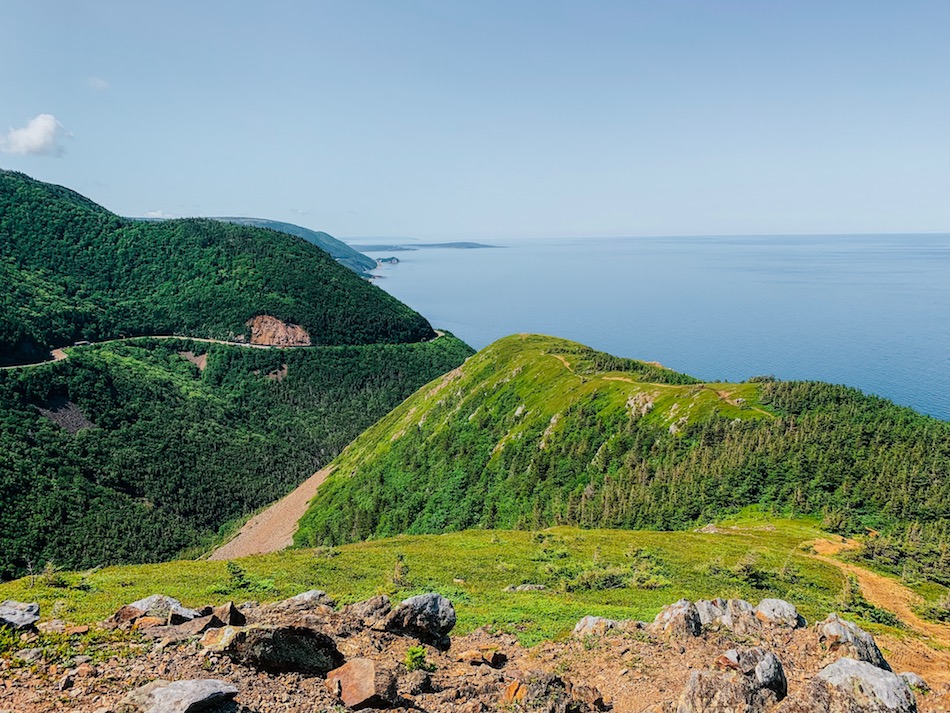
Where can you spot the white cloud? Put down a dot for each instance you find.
(98, 83)
(39, 137)
(158, 214)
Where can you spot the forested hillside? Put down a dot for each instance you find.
(71, 270)
(339, 251)
(536, 431)
(134, 451)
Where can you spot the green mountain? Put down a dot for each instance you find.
(536, 431)
(339, 251)
(136, 450)
(71, 270)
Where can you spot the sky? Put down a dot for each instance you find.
(490, 119)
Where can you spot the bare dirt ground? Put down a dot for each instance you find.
(929, 655)
(273, 529)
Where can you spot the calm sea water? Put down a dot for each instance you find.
(867, 311)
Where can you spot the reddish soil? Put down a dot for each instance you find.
(273, 529)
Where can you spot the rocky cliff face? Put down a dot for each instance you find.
(273, 332)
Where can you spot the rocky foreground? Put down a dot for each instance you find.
(305, 655)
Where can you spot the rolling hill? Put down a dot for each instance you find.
(71, 270)
(536, 431)
(338, 250)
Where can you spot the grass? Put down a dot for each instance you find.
(618, 574)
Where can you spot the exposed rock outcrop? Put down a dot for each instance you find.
(750, 680)
(678, 620)
(270, 331)
(852, 686)
(845, 638)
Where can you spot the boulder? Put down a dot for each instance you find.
(19, 615)
(678, 620)
(218, 639)
(229, 615)
(915, 681)
(369, 612)
(427, 617)
(313, 597)
(852, 686)
(846, 638)
(710, 609)
(740, 618)
(594, 625)
(168, 608)
(778, 612)
(124, 618)
(363, 683)
(188, 696)
(278, 649)
(180, 632)
(750, 680)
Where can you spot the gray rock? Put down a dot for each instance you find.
(313, 596)
(28, 655)
(678, 620)
(740, 618)
(427, 617)
(915, 681)
(370, 611)
(525, 588)
(594, 625)
(848, 639)
(709, 610)
(778, 612)
(750, 680)
(19, 615)
(162, 607)
(852, 686)
(188, 696)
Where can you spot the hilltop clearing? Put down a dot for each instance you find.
(536, 431)
(525, 612)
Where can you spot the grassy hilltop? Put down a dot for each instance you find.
(536, 431)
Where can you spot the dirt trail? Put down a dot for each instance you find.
(273, 529)
(929, 655)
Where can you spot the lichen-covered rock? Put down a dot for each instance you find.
(710, 609)
(678, 620)
(369, 612)
(750, 680)
(278, 649)
(427, 617)
(594, 625)
(846, 638)
(19, 615)
(852, 686)
(189, 696)
(740, 618)
(778, 612)
(362, 683)
(915, 681)
(163, 607)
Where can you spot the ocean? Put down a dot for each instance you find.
(869, 311)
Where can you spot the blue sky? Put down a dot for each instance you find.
(490, 119)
